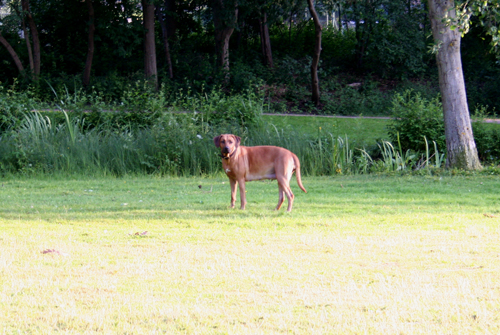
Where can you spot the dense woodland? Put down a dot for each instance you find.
(369, 50)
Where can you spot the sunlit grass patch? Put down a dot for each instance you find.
(362, 254)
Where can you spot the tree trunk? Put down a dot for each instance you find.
(317, 52)
(28, 46)
(265, 41)
(90, 50)
(13, 54)
(28, 43)
(359, 36)
(34, 35)
(150, 70)
(225, 17)
(460, 146)
(165, 41)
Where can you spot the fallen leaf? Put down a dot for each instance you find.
(54, 251)
(144, 233)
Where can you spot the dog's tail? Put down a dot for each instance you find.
(297, 172)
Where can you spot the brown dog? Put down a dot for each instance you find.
(243, 164)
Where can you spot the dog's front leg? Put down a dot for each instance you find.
(243, 195)
(232, 182)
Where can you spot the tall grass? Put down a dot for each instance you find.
(119, 143)
(181, 145)
(170, 147)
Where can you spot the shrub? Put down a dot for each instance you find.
(217, 108)
(346, 100)
(487, 137)
(13, 103)
(416, 119)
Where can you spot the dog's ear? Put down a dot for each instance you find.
(217, 141)
(238, 139)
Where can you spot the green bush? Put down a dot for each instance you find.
(415, 117)
(217, 108)
(486, 136)
(366, 99)
(415, 120)
(13, 104)
(487, 143)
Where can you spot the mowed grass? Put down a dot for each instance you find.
(359, 130)
(145, 255)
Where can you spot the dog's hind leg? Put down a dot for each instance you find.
(281, 199)
(285, 189)
(290, 196)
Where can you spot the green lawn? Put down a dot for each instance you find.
(365, 131)
(143, 255)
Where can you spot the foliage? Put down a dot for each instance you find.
(217, 108)
(13, 103)
(350, 99)
(480, 70)
(415, 120)
(40, 145)
(386, 45)
(176, 144)
(487, 138)
(488, 16)
(390, 40)
(83, 132)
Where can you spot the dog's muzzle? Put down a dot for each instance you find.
(226, 153)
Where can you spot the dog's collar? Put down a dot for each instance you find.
(230, 155)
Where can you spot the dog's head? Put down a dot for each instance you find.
(228, 144)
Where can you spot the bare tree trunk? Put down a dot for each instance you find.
(460, 145)
(150, 70)
(265, 41)
(30, 52)
(90, 50)
(316, 55)
(165, 41)
(28, 44)
(13, 54)
(225, 17)
(34, 35)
